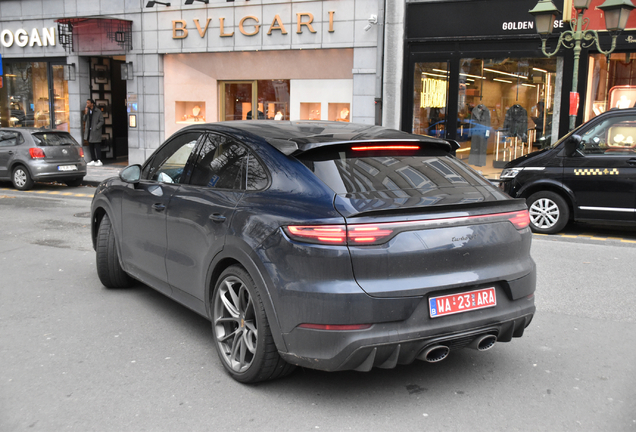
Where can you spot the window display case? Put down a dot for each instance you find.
(189, 112)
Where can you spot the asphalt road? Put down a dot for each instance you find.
(76, 356)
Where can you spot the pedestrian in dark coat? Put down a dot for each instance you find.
(93, 123)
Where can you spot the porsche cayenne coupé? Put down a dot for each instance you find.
(332, 246)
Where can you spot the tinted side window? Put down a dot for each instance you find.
(169, 162)
(612, 136)
(222, 164)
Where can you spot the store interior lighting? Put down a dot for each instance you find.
(505, 73)
(502, 80)
(153, 3)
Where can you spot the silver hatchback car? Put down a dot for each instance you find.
(28, 155)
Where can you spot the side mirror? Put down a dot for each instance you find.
(572, 145)
(131, 174)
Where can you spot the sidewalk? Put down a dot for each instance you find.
(95, 175)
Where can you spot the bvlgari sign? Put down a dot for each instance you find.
(22, 38)
(249, 26)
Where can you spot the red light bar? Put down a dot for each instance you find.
(520, 220)
(335, 234)
(386, 147)
(335, 326)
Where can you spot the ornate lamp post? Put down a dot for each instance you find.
(616, 13)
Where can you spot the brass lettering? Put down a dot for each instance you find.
(49, 36)
(300, 23)
(182, 29)
(277, 24)
(204, 30)
(223, 34)
(331, 21)
(257, 26)
(21, 38)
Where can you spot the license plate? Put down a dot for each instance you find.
(67, 168)
(462, 302)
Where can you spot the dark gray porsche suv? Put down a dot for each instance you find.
(332, 246)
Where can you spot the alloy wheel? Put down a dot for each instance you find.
(235, 324)
(20, 177)
(544, 213)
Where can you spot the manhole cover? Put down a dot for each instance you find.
(83, 215)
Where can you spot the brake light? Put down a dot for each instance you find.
(36, 153)
(81, 152)
(520, 219)
(379, 233)
(367, 233)
(325, 234)
(386, 147)
(335, 326)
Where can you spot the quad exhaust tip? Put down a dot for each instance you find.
(434, 354)
(484, 342)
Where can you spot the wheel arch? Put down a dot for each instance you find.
(233, 255)
(550, 186)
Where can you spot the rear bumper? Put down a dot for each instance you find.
(50, 171)
(386, 345)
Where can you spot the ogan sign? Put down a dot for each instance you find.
(303, 20)
(22, 38)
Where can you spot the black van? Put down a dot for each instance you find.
(589, 174)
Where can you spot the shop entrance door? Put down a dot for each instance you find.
(238, 99)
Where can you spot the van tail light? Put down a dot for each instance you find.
(520, 219)
(335, 326)
(81, 152)
(36, 153)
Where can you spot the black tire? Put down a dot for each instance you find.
(21, 178)
(108, 266)
(74, 182)
(242, 335)
(549, 213)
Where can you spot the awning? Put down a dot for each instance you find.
(95, 35)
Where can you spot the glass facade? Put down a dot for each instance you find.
(505, 106)
(611, 83)
(270, 97)
(34, 94)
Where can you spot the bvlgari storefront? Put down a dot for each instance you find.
(260, 76)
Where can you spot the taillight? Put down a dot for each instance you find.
(379, 233)
(321, 234)
(367, 234)
(335, 326)
(81, 152)
(36, 153)
(520, 219)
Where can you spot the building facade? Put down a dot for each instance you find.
(474, 71)
(154, 69)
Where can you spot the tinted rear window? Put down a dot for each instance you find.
(44, 139)
(391, 172)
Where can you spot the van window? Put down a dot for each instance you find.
(612, 136)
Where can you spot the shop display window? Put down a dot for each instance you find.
(310, 111)
(611, 84)
(431, 98)
(189, 112)
(339, 112)
(270, 97)
(24, 97)
(505, 108)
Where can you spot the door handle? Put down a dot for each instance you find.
(632, 161)
(159, 207)
(10, 152)
(217, 217)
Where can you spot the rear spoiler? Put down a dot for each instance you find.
(290, 147)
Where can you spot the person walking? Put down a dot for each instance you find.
(93, 122)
